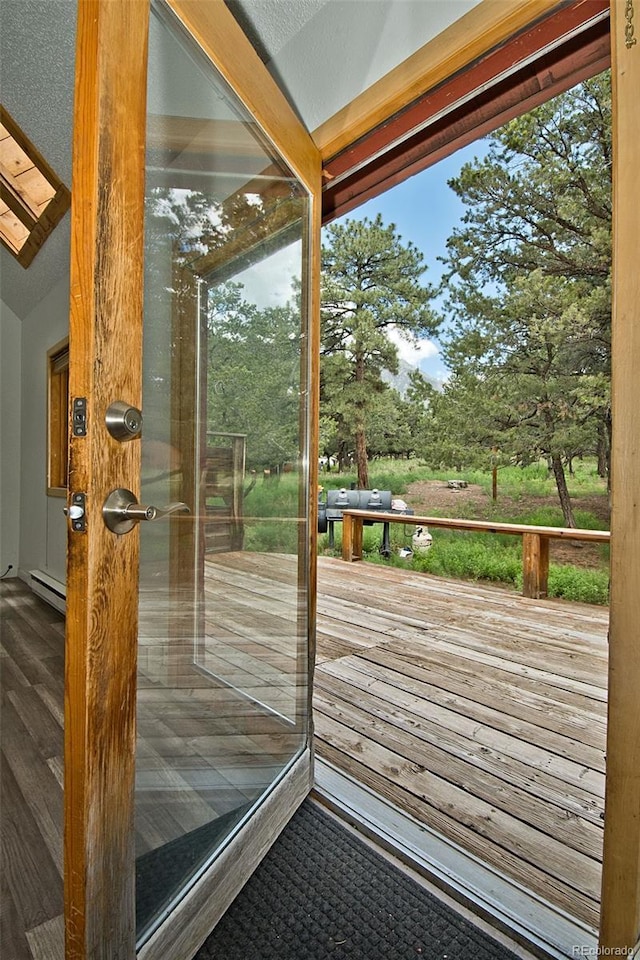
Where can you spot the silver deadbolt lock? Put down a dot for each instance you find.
(123, 421)
(121, 511)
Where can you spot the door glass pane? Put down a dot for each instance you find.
(222, 685)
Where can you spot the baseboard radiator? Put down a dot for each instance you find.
(50, 589)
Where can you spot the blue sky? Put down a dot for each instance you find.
(425, 210)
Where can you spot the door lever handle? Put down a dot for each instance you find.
(121, 511)
(136, 511)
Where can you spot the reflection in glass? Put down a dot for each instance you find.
(222, 699)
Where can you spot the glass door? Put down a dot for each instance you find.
(193, 385)
(224, 612)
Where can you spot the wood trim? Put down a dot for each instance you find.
(194, 918)
(469, 106)
(249, 241)
(25, 144)
(540, 59)
(214, 28)
(490, 23)
(535, 540)
(17, 206)
(105, 350)
(185, 576)
(620, 917)
(535, 565)
(482, 526)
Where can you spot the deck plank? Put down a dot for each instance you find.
(507, 860)
(482, 730)
(477, 711)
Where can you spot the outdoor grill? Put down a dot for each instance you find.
(330, 511)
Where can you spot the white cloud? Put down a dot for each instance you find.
(413, 353)
(268, 282)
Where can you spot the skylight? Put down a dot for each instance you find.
(33, 199)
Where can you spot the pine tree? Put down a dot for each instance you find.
(371, 284)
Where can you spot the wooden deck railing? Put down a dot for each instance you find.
(535, 540)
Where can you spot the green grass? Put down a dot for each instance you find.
(271, 511)
(486, 557)
(575, 583)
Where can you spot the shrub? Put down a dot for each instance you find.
(582, 586)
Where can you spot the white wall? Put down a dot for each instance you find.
(43, 529)
(10, 378)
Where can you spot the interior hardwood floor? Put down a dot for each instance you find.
(31, 742)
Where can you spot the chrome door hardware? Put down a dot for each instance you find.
(76, 512)
(121, 511)
(123, 421)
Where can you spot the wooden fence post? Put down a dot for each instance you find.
(351, 538)
(535, 565)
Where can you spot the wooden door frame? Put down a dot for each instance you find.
(620, 900)
(105, 135)
(106, 326)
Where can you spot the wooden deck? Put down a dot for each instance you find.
(479, 712)
(476, 711)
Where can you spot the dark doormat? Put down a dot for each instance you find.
(321, 892)
(162, 872)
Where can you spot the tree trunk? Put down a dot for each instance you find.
(563, 491)
(362, 461)
(602, 451)
(609, 438)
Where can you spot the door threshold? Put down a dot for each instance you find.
(505, 905)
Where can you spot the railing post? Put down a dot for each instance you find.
(351, 538)
(535, 565)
